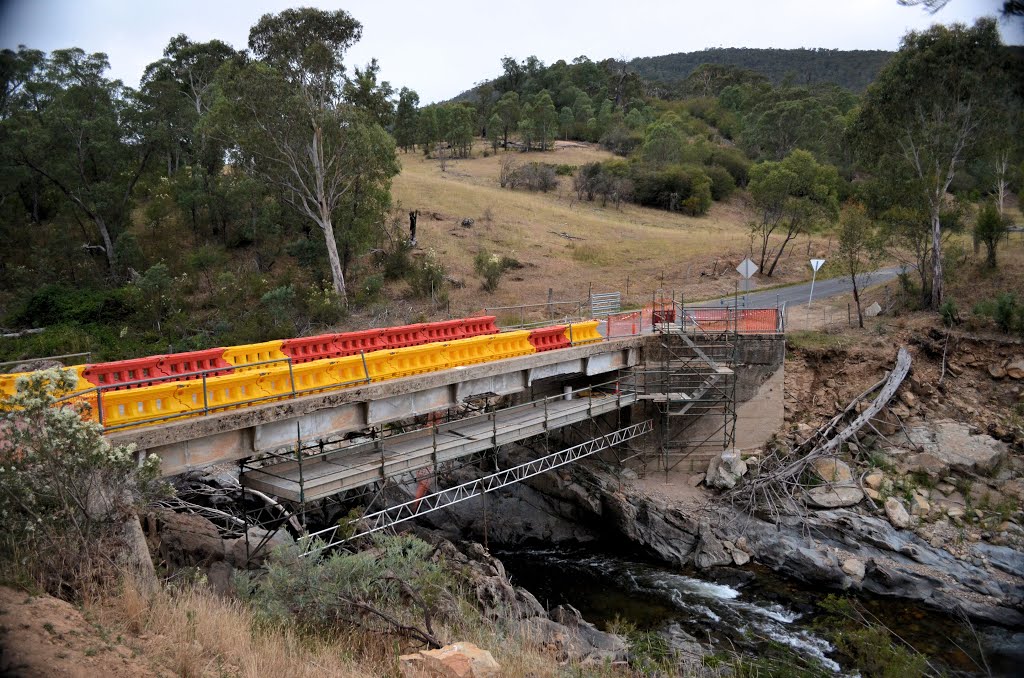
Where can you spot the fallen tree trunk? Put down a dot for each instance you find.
(781, 478)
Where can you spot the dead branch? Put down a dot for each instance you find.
(780, 483)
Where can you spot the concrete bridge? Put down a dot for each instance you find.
(232, 435)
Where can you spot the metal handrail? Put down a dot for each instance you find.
(49, 357)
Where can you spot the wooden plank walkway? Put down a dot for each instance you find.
(353, 466)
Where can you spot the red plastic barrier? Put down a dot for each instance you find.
(480, 325)
(446, 330)
(404, 335)
(195, 361)
(549, 338)
(305, 349)
(663, 315)
(121, 371)
(351, 343)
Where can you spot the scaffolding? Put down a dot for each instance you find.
(688, 375)
(330, 472)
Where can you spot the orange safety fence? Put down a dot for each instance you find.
(711, 319)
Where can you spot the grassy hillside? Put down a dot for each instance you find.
(852, 69)
(653, 248)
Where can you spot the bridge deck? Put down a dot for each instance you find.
(353, 466)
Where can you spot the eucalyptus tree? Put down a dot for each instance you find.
(791, 197)
(930, 108)
(82, 134)
(291, 123)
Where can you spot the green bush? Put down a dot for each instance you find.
(54, 304)
(65, 491)
(427, 278)
(565, 170)
(491, 267)
(680, 188)
(722, 183)
(949, 312)
(1005, 311)
(389, 588)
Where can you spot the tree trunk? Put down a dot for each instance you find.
(1001, 167)
(108, 245)
(337, 275)
(778, 255)
(856, 300)
(936, 258)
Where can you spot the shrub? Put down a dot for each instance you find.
(394, 588)
(565, 170)
(722, 183)
(949, 312)
(491, 267)
(677, 188)
(427, 277)
(65, 491)
(534, 176)
(1005, 310)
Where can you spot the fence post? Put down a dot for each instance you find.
(291, 376)
(99, 402)
(206, 404)
(366, 372)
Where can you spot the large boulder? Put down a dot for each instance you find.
(710, 551)
(569, 638)
(187, 539)
(832, 470)
(1015, 368)
(458, 660)
(261, 544)
(834, 496)
(839, 488)
(725, 470)
(953, 444)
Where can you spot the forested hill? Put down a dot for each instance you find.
(852, 69)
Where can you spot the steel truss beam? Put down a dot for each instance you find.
(374, 522)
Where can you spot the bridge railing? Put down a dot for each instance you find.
(195, 385)
(158, 398)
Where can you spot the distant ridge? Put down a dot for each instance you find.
(851, 69)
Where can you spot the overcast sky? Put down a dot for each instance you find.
(442, 47)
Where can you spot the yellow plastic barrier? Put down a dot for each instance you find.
(470, 351)
(126, 406)
(511, 344)
(227, 391)
(378, 364)
(583, 333)
(419, 359)
(8, 382)
(241, 356)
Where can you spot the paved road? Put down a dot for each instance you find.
(797, 294)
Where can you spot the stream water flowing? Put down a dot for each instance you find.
(749, 611)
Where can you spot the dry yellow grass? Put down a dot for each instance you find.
(652, 248)
(192, 632)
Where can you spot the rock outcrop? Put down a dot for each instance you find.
(725, 470)
(458, 660)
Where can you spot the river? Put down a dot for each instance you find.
(749, 610)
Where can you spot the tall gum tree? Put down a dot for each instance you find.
(931, 107)
(287, 115)
(82, 134)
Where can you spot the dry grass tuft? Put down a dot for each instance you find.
(193, 632)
